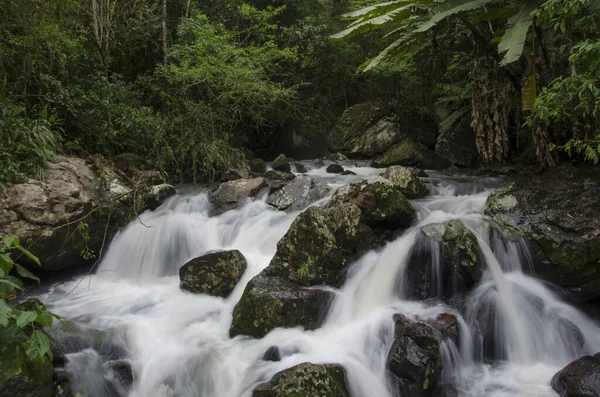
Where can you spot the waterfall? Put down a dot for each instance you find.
(515, 331)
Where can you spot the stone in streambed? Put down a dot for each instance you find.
(334, 169)
(216, 273)
(281, 163)
(297, 194)
(348, 172)
(581, 378)
(411, 154)
(229, 195)
(258, 165)
(411, 186)
(306, 379)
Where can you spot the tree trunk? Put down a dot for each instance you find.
(164, 31)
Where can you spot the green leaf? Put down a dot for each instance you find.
(378, 21)
(23, 272)
(25, 317)
(367, 10)
(5, 313)
(45, 318)
(39, 344)
(10, 284)
(29, 254)
(515, 35)
(452, 7)
(10, 241)
(383, 55)
(529, 93)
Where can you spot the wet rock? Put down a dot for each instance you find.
(229, 195)
(230, 175)
(459, 268)
(306, 379)
(414, 358)
(370, 128)
(334, 169)
(297, 194)
(281, 163)
(270, 302)
(348, 172)
(157, 195)
(422, 174)
(380, 201)
(447, 324)
(273, 175)
(458, 145)
(258, 165)
(301, 168)
(335, 157)
(216, 273)
(320, 244)
(411, 186)
(581, 378)
(39, 386)
(63, 384)
(319, 163)
(35, 210)
(121, 371)
(411, 154)
(272, 354)
(557, 214)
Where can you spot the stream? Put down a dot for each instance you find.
(515, 331)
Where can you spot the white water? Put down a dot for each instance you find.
(514, 335)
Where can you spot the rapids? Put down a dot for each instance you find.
(515, 331)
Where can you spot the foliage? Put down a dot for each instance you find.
(24, 345)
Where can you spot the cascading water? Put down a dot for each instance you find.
(515, 333)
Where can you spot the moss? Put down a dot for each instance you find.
(409, 153)
(258, 165)
(281, 163)
(581, 263)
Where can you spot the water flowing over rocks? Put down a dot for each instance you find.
(381, 202)
(46, 214)
(410, 185)
(297, 194)
(306, 379)
(557, 212)
(216, 273)
(581, 378)
(230, 195)
(411, 154)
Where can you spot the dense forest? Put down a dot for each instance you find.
(198, 86)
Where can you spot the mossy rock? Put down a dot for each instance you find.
(410, 185)
(271, 302)
(412, 154)
(273, 175)
(320, 244)
(216, 273)
(380, 201)
(306, 379)
(258, 165)
(297, 194)
(281, 163)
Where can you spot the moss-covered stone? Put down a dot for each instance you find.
(271, 302)
(380, 201)
(216, 273)
(258, 165)
(273, 175)
(304, 380)
(411, 186)
(411, 154)
(281, 163)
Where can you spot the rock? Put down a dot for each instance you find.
(216, 273)
(380, 201)
(334, 169)
(273, 175)
(258, 165)
(447, 324)
(157, 195)
(581, 378)
(229, 195)
(281, 163)
(422, 174)
(459, 267)
(557, 214)
(411, 154)
(63, 384)
(370, 128)
(348, 172)
(298, 194)
(306, 379)
(48, 212)
(319, 163)
(335, 157)
(411, 186)
(271, 302)
(272, 354)
(414, 358)
(230, 175)
(121, 371)
(458, 145)
(38, 386)
(301, 168)
(320, 244)
(129, 163)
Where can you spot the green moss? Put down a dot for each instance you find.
(258, 165)
(581, 263)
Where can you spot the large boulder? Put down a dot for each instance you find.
(216, 273)
(414, 358)
(281, 163)
(370, 128)
(557, 213)
(412, 154)
(410, 185)
(444, 261)
(157, 194)
(258, 165)
(77, 207)
(230, 195)
(306, 379)
(581, 378)
(320, 244)
(297, 194)
(381, 202)
(334, 169)
(272, 302)
(458, 144)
